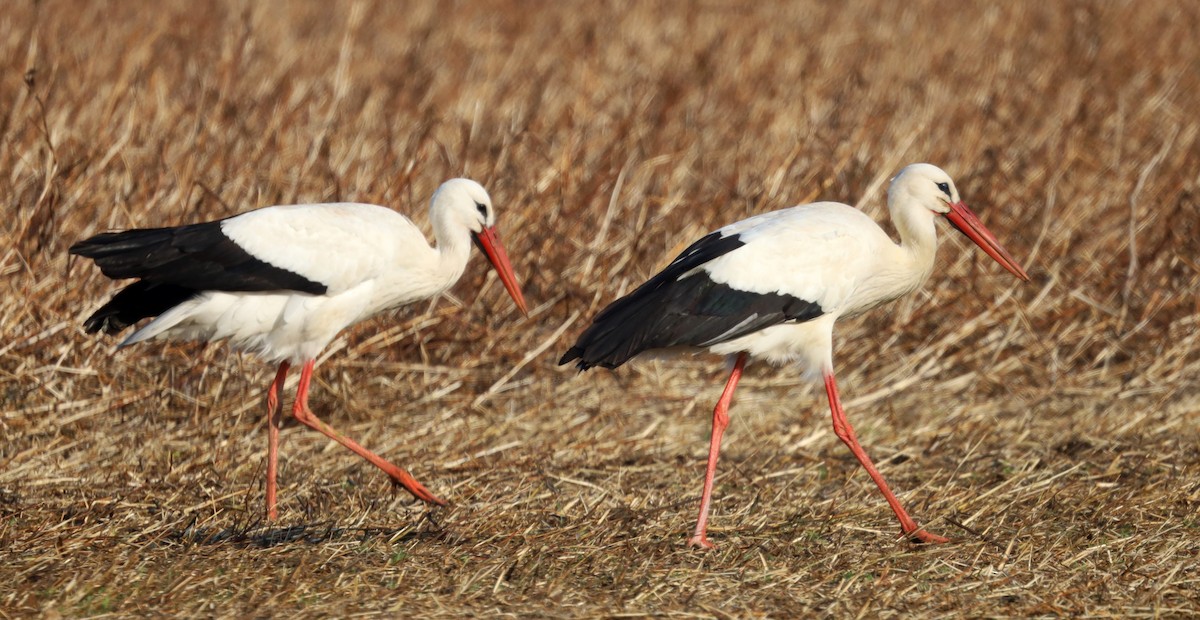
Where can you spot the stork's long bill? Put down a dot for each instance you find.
(966, 221)
(489, 242)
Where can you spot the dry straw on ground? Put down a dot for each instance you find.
(1050, 428)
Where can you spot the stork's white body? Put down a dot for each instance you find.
(370, 258)
(283, 281)
(773, 286)
(827, 252)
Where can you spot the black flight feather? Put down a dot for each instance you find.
(678, 308)
(174, 264)
(140, 300)
(196, 256)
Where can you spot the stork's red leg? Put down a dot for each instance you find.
(306, 417)
(274, 417)
(845, 432)
(720, 421)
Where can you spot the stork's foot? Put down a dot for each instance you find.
(700, 541)
(921, 536)
(417, 489)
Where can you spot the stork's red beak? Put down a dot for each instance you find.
(489, 242)
(966, 221)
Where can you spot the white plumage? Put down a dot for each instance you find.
(836, 257)
(369, 258)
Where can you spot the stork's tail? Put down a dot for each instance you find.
(140, 300)
(132, 254)
(615, 336)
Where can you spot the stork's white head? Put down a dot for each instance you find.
(464, 204)
(925, 186)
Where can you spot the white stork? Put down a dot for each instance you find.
(282, 281)
(773, 285)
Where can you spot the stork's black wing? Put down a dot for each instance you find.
(173, 265)
(683, 306)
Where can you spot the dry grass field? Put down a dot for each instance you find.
(1051, 428)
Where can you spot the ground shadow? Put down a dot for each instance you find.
(258, 534)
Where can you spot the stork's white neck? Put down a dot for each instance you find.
(906, 265)
(453, 246)
(918, 237)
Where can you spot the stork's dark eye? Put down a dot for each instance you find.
(482, 208)
(945, 187)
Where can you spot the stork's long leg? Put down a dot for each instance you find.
(274, 417)
(306, 417)
(720, 421)
(845, 432)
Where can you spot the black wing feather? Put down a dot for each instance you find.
(174, 265)
(675, 308)
(197, 256)
(140, 300)
(705, 249)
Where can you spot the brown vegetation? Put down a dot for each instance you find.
(1050, 428)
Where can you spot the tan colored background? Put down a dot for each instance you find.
(1050, 427)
